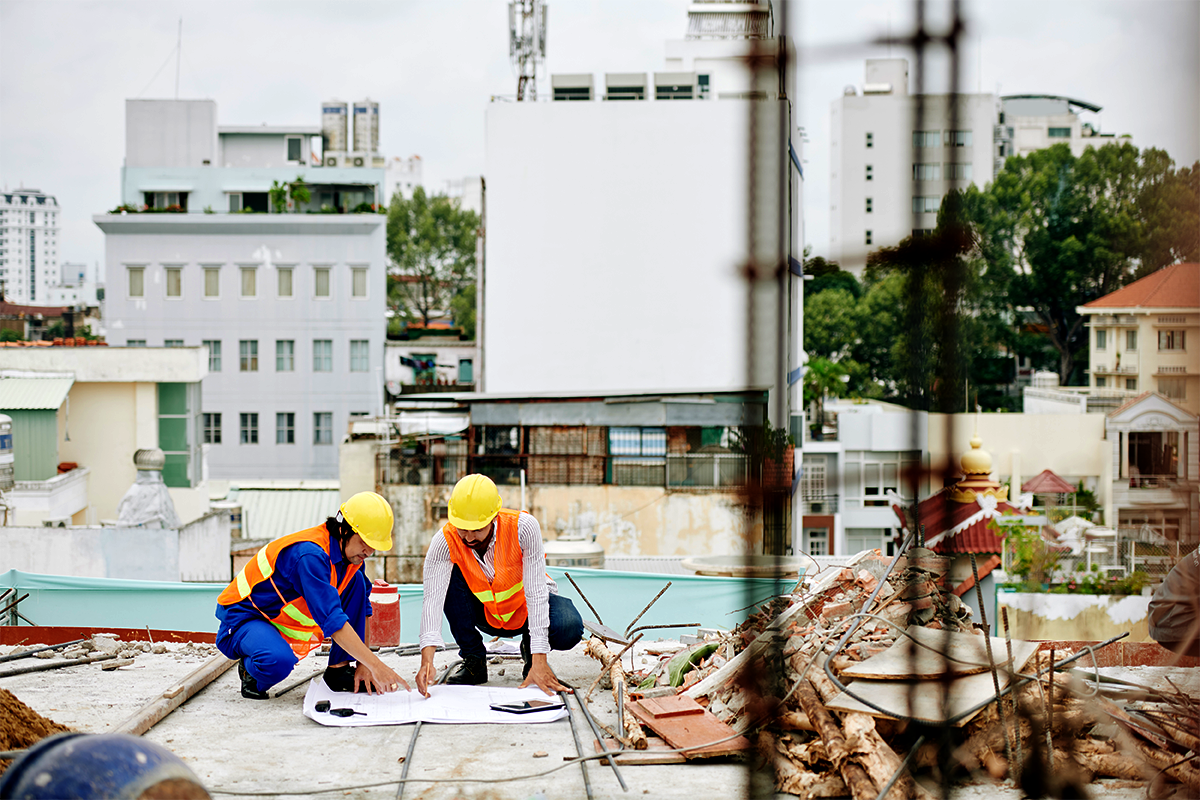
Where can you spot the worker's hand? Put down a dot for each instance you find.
(379, 678)
(541, 676)
(426, 677)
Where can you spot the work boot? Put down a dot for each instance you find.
(471, 672)
(250, 689)
(340, 679)
(526, 656)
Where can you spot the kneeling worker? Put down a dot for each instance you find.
(486, 571)
(301, 588)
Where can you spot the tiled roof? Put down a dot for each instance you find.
(1176, 286)
(940, 513)
(1046, 482)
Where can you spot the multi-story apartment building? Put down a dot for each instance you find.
(1145, 337)
(887, 178)
(1030, 122)
(290, 305)
(29, 227)
(78, 285)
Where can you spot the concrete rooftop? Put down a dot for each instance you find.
(270, 749)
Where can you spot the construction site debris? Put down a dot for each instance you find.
(21, 726)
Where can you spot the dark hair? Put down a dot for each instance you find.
(339, 528)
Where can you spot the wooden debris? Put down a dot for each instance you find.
(857, 780)
(608, 660)
(685, 724)
(657, 752)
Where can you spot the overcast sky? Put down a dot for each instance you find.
(66, 67)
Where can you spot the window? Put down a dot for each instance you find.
(323, 427)
(927, 138)
(637, 441)
(1131, 384)
(919, 232)
(166, 199)
(235, 202)
(466, 371)
(359, 351)
(321, 282)
(212, 428)
(285, 355)
(867, 238)
(1131, 340)
(870, 172)
(174, 282)
(1174, 388)
(878, 480)
(1101, 340)
(927, 172)
(1172, 340)
(214, 354)
(958, 172)
(249, 281)
(958, 138)
(212, 281)
(293, 149)
(870, 203)
(1059, 133)
(1101, 383)
(249, 428)
(137, 281)
(358, 282)
(248, 201)
(816, 541)
(870, 140)
(135, 343)
(703, 82)
(926, 204)
(285, 428)
(172, 342)
(322, 355)
(248, 355)
(284, 281)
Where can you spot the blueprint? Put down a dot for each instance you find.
(445, 704)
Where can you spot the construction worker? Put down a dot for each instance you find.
(1175, 608)
(486, 571)
(301, 588)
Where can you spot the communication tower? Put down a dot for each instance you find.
(527, 43)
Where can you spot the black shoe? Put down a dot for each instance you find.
(250, 689)
(471, 672)
(340, 679)
(526, 656)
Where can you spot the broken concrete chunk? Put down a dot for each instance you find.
(159, 648)
(106, 643)
(116, 663)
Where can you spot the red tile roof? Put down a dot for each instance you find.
(1046, 482)
(1176, 286)
(940, 513)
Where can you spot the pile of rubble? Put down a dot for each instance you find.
(1059, 732)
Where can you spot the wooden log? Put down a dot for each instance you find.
(1107, 765)
(176, 695)
(857, 780)
(869, 748)
(608, 660)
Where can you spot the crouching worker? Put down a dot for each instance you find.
(301, 588)
(486, 571)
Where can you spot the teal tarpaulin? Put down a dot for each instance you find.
(617, 596)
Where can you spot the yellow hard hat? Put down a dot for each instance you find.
(474, 503)
(370, 516)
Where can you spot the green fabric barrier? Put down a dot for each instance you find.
(618, 597)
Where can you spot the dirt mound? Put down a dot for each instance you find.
(21, 726)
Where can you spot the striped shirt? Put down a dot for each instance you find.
(538, 585)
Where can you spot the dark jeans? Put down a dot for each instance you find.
(464, 612)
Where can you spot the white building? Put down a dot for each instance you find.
(1030, 122)
(290, 306)
(617, 224)
(77, 286)
(28, 246)
(887, 179)
(402, 175)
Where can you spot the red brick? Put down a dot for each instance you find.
(836, 610)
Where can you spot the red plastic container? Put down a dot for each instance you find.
(385, 614)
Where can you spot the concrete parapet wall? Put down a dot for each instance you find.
(1092, 617)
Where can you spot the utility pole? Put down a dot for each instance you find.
(527, 43)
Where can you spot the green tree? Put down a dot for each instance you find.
(431, 244)
(9, 335)
(822, 378)
(462, 306)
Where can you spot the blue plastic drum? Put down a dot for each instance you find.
(109, 765)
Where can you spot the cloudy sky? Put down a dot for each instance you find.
(66, 67)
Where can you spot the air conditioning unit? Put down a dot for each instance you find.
(358, 161)
(330, 161)
(56, 522)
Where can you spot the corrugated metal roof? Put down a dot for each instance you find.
(33, 393)
(271, 513)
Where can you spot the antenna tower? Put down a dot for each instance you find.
(527, 43)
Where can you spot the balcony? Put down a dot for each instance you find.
(427, 388)
(49, 502)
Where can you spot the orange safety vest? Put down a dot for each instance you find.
(504, 598)
(294, 621)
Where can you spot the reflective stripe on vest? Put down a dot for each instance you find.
(503, 598)
(294, 621)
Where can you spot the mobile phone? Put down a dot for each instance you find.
(527, 707)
